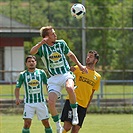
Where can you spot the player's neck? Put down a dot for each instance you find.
(31, 69)
(50, 43)
(90, 67)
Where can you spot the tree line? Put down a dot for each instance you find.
(108, 28)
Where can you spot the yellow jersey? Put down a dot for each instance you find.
(85, 83)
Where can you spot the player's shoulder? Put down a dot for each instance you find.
(40, 71)
(60, 41)
(97, 74)
(23, 72)
(76, 69)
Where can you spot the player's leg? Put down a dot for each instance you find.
(66, 116)
(81, 116)
(67, 126)
(47, 126)
(28, 114)
(52, 98)
(43, 115)
(70, 90)
(75, 129)
(72, 98)
(27, 124)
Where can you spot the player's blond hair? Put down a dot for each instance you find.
(44, 31)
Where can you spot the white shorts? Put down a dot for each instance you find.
(57, 83)
(39, 108)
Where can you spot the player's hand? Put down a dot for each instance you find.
(83, 69)
(72, 68)
(18, 101)
(44, 40)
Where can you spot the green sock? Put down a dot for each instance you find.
(74, 105)
(55, 118)
(48, 130)
(25, 130)
(74, 109)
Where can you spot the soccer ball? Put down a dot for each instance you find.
(78, 10)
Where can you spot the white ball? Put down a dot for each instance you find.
(78, 10)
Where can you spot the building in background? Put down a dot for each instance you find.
(12, 37)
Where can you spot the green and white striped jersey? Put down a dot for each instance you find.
(54, 58)
(33, 85)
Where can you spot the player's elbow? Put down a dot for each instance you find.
(32, 52)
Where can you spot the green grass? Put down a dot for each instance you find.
(94, 123)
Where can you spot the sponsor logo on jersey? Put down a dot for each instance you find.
(55, 56)
(88, 81)
(33, 83)
(95, 77)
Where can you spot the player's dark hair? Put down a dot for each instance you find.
(30, 56)
(95, 54)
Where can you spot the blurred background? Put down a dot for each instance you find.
(106, 27)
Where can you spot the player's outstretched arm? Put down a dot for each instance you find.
(18, 101)
(72, 56)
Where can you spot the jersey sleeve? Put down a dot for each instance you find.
(40, 53)
(66, 49)
(76, 69)
(19, 81)
(97, 85)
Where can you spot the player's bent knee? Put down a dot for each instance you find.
(69, 90)
(51, 103)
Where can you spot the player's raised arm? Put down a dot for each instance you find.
(35, 48)
(72, 56)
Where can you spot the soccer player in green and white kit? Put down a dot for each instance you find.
(33, 80)
(52, 52)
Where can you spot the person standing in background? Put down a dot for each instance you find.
(33, 80)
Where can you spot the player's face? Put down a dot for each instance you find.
(52, 35)
(31, 63)
(90, 59)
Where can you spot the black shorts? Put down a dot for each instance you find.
(67, 113)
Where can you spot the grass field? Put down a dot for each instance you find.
(94, 123)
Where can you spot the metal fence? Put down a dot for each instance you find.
(112, 94)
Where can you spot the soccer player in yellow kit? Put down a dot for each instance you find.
(87, 84)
